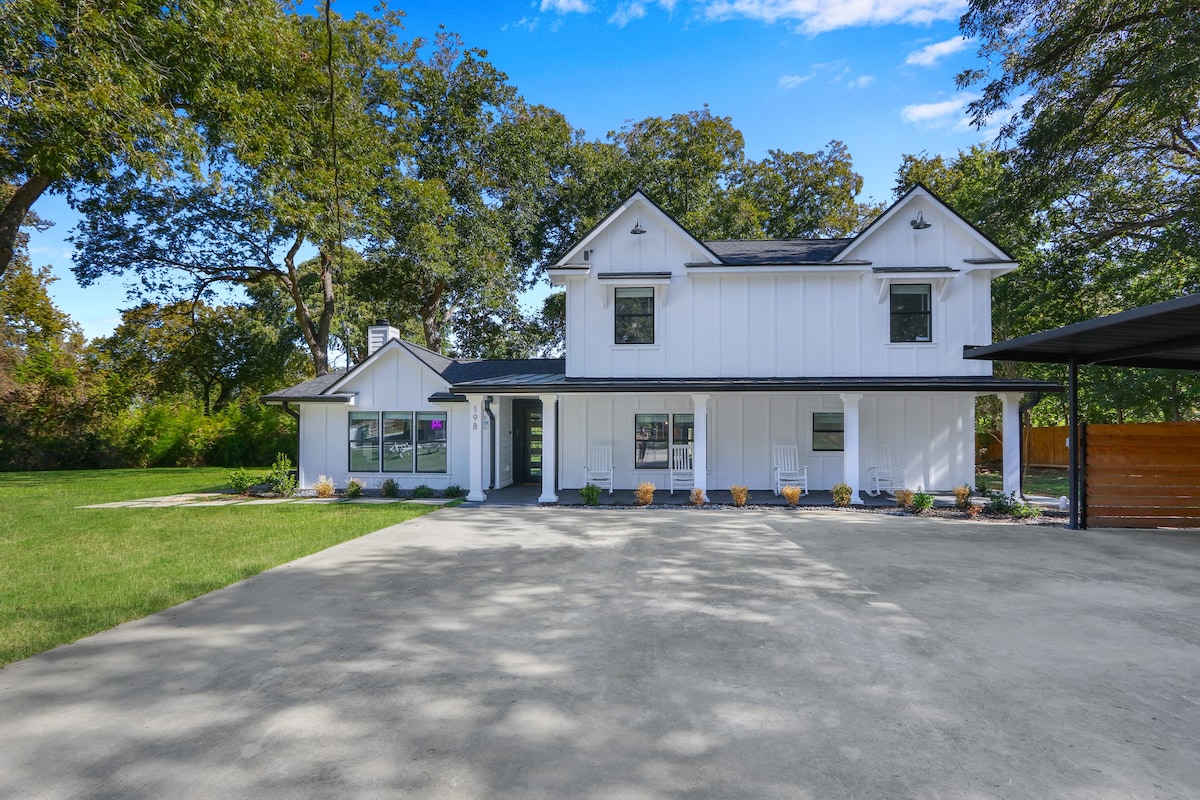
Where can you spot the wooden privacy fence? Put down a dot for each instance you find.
(1142, 475)
(1043, 447)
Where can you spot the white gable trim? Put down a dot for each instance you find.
(649, 210)
(898, 207)
(369, 361)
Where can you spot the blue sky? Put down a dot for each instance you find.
(792, 74)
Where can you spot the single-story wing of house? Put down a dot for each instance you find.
(703, 364)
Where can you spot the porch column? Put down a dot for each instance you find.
(700, 445)
(851, 445)
(549, 447)
(1010, 402)
(476, 495)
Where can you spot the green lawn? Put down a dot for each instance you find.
(68, 572)
(1038, 480)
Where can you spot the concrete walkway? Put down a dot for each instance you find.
(570, 653)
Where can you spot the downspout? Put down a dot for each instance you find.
(487, 409)
(296, 415)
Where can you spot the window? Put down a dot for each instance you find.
(634, 315)
(388, 441)
(651, 445)
(911, 314)
(829, 431)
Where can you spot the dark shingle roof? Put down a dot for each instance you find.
(310, 389)
(779, 251)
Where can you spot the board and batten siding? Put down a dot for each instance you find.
(395, 382)
(932, 435)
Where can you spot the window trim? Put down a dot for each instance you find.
(813, 441)
(893, 313)
(412, 418)
(653, 315)
(670, 415)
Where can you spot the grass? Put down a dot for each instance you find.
(68, 572)
(1049, 481)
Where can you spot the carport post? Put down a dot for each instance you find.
(1073, 433)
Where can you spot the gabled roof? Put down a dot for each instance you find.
(638, 195)
(919, 189)
(311, 390)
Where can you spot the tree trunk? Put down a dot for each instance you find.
(432, 318)
(317, 342)
(13, 215)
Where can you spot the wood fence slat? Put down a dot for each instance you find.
(1142, 522)
(1179, 504)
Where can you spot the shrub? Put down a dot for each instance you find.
(240, 480)
(696, 498)
(1001, 503)
(1025, 510)
(390, 488)
(791, 494)
(354, 488)
(454, 490)
(590, 494)
(841, 495)
(324, 486)
(922, 502)
(904, 498)
(281, 479)
(740, 495)
(962, 497)
(644, 493)
(422, 492)
(973, 511)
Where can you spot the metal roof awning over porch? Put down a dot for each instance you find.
(561, 384)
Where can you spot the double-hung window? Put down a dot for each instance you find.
(397, 441)
(654, 433)
(633, 314)
(912, 312)
(828, 430)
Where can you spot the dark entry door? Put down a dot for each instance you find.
(527, 441)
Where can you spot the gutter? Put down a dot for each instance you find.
(293, 412)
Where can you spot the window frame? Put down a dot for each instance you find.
(670, 440)
(893, 314)
(618, 315)
(445, 440)
(413, 417)
(842, 431)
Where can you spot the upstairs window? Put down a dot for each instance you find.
(634, 316)
(912, 317)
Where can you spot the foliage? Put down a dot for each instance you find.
(904, 498)
(841, 495)
(281, 478)
(791, 494)
(454, 490)
(1001, 504)
(590, 494)
(241, 480)
(423, 492)
(741, 494)
(354, 488)
(323, 486)
(68, 572)
(643, 495)
(390, 488)
(696, 497)
(962, 497)
(921, 502)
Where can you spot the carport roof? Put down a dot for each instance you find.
(1164, 334)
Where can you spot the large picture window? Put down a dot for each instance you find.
(912, 316)
(654, 433)
(389, 441)
(829, 431)
(634, 315)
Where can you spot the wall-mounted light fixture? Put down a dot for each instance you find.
(919, 224)
(638, 230)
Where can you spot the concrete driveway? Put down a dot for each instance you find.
(572, 653)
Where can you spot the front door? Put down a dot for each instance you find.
(527, 441)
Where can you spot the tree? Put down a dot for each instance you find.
(87, 89)
(269, 187)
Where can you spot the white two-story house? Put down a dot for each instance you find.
(838, 347)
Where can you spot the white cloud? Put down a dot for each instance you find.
(930, 54)
(944, 113)
(566, 6)
(628, 12)
(524, 23)
(818, 16)
(790, 82)
(861, 82)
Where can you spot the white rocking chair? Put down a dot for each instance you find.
(599, 468)
(881, 475)
(682, 475)
(788, 471)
